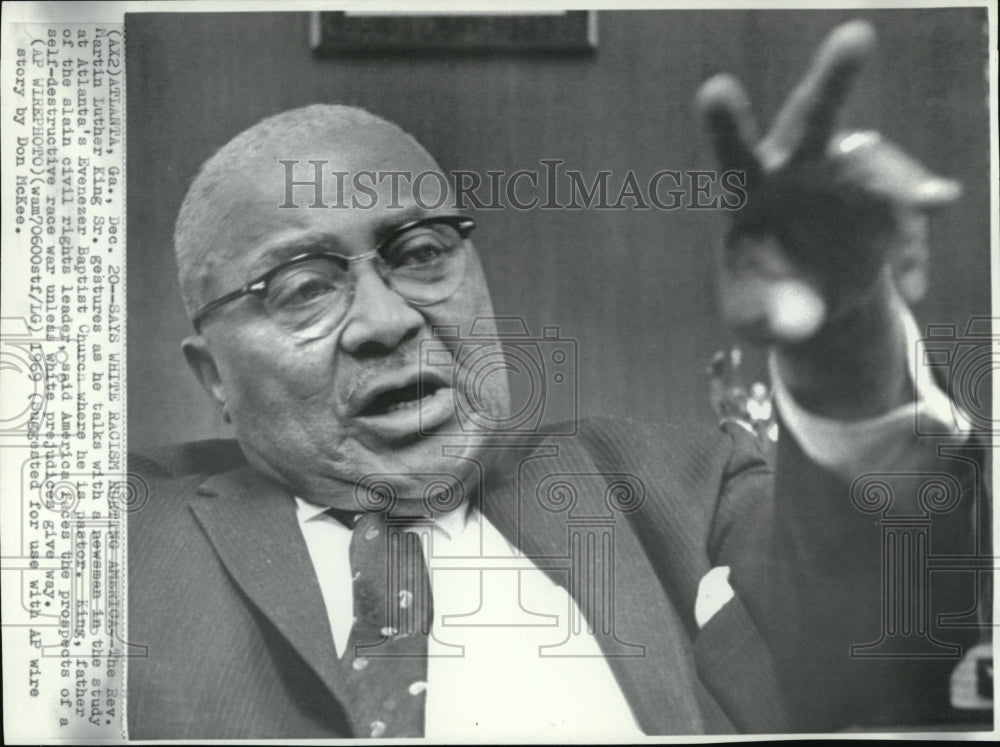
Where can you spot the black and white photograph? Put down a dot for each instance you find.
(641, 384)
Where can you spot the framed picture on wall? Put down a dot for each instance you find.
(360, 32)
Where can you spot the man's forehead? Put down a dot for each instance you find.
(275, 244)
(234, 204)
(280, 180)
(284, 178)
(378, 144)
(256, 233)
(253, 232)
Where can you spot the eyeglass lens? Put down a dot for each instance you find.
(310, 297)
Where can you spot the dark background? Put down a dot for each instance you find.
(634, 288)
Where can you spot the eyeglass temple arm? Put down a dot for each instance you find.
(204, 311)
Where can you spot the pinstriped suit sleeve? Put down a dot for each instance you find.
(699, 484)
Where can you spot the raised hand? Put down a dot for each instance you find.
(830, 217)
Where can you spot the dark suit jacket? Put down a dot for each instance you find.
(223, 593)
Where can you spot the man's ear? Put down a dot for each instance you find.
(202, 362)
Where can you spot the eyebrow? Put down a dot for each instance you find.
(386, 228)
(301, 244)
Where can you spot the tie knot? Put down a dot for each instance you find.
(389, 550)
(348, 518)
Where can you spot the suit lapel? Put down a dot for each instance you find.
(252, 525)
(647, 647)
(251, 522)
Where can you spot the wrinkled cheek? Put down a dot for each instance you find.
(259, 417)
(295, 442)
(471, 301)
(261, 404)
(481, 385)
(480, 375)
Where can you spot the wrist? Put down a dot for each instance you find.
(856, 366)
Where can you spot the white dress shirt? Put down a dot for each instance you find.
(493, 609)
(888, 442)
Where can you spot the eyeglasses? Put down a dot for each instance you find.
(424, 261)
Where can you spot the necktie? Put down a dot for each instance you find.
(386, 659)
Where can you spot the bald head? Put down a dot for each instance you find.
(244, 178)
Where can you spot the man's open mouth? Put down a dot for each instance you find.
(408, 396)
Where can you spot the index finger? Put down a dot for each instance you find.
(725, 109)
(804, 125)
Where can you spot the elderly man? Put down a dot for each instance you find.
(376, 559)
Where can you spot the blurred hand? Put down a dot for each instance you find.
(831, 220)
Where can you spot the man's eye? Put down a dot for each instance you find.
(422, 251)
(301, 288)
(416, 256)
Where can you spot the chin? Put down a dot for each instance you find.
(437, 472)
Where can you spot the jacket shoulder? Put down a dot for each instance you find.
(163, 481)
(206, 457)
(686, 455)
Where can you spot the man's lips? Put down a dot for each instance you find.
(399, 407)
(391, 400)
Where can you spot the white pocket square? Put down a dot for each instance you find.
(713, 593)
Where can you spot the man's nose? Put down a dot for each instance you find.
(379, 318)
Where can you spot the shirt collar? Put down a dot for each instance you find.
(307, 511)
(451, 523)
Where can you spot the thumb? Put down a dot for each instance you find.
(764, 297)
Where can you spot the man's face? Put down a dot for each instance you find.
(321, 414)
